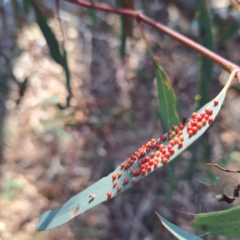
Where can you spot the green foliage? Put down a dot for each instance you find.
(176, 231)
(206, 39)
(57, 52)
(1, 2)
(92, 14)
(225, 223)
(123, 35)
(166, 97)
(26, 6)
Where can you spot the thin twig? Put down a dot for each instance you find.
(222, 169)
(227, 65)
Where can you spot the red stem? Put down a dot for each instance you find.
(227, 65)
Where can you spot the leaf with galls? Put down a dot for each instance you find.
(152, 155)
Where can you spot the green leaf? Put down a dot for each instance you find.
(57, 52)
(26, 6)
(206, 39)
(166, 98)
(18, 9)
(178, 232)
(225, 223)
(1, 2)
(92, 13)
(123, 35)
(80, 202)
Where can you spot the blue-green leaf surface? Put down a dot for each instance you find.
(225, 223)
(178, 232)
(80, 203)
(1, 2)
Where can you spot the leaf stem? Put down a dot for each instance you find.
(234, 73)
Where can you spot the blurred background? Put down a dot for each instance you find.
(55, 142)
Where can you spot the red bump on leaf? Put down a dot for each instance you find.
(194, 115)
(190, 133)
(152, 155)
(181, 126)
(125, 181)
(164, 160)
(181, 137)
(163, 137)
(143, 171)
(114, 183)
(180, 144)
(194, 129)
(137, 172)
(204, 121)
(167, 155)
(199, 125)
(149, 168)
(210, 120)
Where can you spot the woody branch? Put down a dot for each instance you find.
(224, 63)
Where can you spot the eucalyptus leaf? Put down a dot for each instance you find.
(178, 232)
(166, 96)
(57, 52)
(99, 191)
(206, 39)
(225, 223)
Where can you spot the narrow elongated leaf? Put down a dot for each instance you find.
(123, 35)
(225, 223)
(178, 232)
(206, 39)
(126, 25)
(166, 96)
(92, 13)
(57, 52)
(26, 6)
(130, 171)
